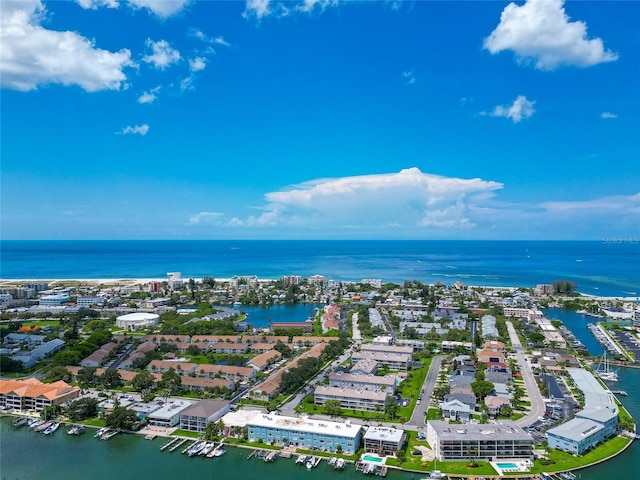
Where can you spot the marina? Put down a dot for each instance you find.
(603, 339)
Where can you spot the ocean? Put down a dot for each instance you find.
(598, 268)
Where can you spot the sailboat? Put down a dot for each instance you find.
(603, 370)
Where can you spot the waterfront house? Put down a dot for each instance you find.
(351, 398)
(383, 441)
(32, 394)
(196, 417)
(169, 414)
(490, 442)
(305, 433)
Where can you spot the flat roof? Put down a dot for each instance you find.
(471, 431)
(239, 418)
(384, 434)
(304, 424)
(205, 408)
(171, 409)
(576, 429)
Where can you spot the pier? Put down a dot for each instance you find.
(169, 443)
(177, 445)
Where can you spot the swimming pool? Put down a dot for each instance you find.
(507, 466)
(369, 458)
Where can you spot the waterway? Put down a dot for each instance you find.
(26, 455)
(260, 317)
(577, 323)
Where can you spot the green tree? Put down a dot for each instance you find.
(56, 373)
(82, 409)
(121, 419)
(111, 378)
(481, 388)
(171, 380)
(86, 377)
(333, 408)
(8, 364)
(143, 380)
(391, 407)
(193, 350)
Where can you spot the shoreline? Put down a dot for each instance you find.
(144, 280)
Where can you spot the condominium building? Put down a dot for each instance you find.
(591, 426)
(32, 394)
(351, 398)
(383, 441)
(196, 417)
(306, 433)
(481, 441)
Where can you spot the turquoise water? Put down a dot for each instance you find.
(508, 466)
(603, 269)
(369, 458)
(259, 317)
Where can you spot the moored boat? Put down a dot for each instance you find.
(51, 429)
(20, 422)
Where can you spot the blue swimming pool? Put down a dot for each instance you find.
(369, 458)
(507, 466)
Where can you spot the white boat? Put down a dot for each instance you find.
(196, 447)
(310, 463)
(101, 432)
(218, 452)
(51, 429)
(339, 464)
(43, 426)
(76, 430)
(208, 447)
(332, 461)
(603, 370)
(19, 422)
(301, 459)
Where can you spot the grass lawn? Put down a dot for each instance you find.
(434, 414)
(42, 323)
(93, 422)
(566, 461)
(185, 433)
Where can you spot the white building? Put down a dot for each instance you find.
(53, 299)
(169, 414)
(133, 321)
(89, 301)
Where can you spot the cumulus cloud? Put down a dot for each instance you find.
(150, 96)
(162, 54)
(606, 115)
(94, 4)
(309, 5)
(219, 40)
(204, 217)
(197, 64)
(541, 32)
(519, 109)
(257, 9)
(161, 8)
(406, 199)
(136, 130)
(32, 55)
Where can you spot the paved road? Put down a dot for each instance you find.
(418, 417)
(538, 408)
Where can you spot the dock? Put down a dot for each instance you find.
(184, 450)
(169, 443)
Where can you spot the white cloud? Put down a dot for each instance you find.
(608, 115)
(187, 84)
(408, 199)
(161, 8)
(197, 64)
(32, 55)
(150, 96)
(257, 9)
(409, 77)
(163, 54)
(519, 109)
(221, 41)
(309, 5)
(94, 4)
(204, 218)
(136, 130)
(540, 31)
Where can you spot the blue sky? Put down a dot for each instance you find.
(320, 119)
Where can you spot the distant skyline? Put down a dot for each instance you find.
(319, 119)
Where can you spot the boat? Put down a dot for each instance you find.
(434, 475)
(332, 461)
(20, 422)
(311, 462)
(301, 459)
(36, 424)
(339, 465)
(218, 452)
(620, 392)
(603, 370)
(208, 447)
(568, 475)
(51, 429)
(76, 430)
(32, 422)
(101, 432)
(196, 448)
(108, 434)
(43, 426)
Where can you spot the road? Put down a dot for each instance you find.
(538, 408)
(418, 417)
